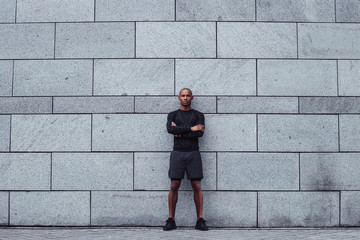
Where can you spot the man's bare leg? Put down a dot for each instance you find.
(198, 198)
(173, 197)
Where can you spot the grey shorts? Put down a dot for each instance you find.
(185, 161)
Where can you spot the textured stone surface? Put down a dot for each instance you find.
(135, 10)
(258, 171)
(349, 72)
(95, 40)
(4, 208)
(216, 77)
(25, 105)
(25, 171)
(93, 104)
(134, 77)
(169, 104)
(92, 171)
(151, 172)
(256, 40)
(175, 40)
(329, 41)
(135, 132)
(51, 133)
(148, 208)
(4, 133)
(297, 78)
(55, 10)
(215, 10)
(298, 209)
(298, 133)
(257, 105)
(350, 212)
(330, 171)
(26, 41)
(50, 208)
(7, 11)
(238, 130)
(133, 208)
(347, 11)
(329, 104)
(52, 78)
(5, 78)
(349, 132)
(296, 11)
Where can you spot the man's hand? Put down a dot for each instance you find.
(199, 127)
(174, 125)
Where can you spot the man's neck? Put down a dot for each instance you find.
(185, 108)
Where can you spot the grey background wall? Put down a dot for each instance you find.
(86, 86)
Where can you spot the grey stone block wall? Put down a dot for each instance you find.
(86, 85)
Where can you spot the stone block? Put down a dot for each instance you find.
(349, 126)
(229, 132)
(93, 104)
(257, 104)
(347, 11)
(7, 11)
(349, 72)
(297, 78)
(25, 171)
(329, 171)
(134, 77)
(217, 77)
(25, 41)
(129, 208)
(221, 209)
(350, 211)
(151, 172)
(52, 77)
(329, 104)
(6, 77)
(215, 10)
(92, 171)
(175, 40)
(296, 11)
(146, 208)
(51, 133)
(256, 40)
(4, 208)
(135, 10)
(298, 133)
(25, 105)
(329, 40)
(55, 10)
(50, 208)
(4, 133)
(298, 209)
(258, 171)
(95, 40)
(141, 132)
(164, 104)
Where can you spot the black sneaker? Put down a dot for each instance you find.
(170, 225)
(201, 225)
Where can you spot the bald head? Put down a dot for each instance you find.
(185, 89)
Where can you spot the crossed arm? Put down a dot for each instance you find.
(186, 132)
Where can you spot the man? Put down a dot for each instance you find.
(187, 125)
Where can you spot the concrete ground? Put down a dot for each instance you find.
(148, 233)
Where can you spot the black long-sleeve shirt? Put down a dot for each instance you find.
(187, 140)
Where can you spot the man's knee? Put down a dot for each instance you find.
(196, 185)
(175, 185)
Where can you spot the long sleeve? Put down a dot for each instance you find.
(195, 134)
(176, 130)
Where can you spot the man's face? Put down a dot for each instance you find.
(185, 98)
